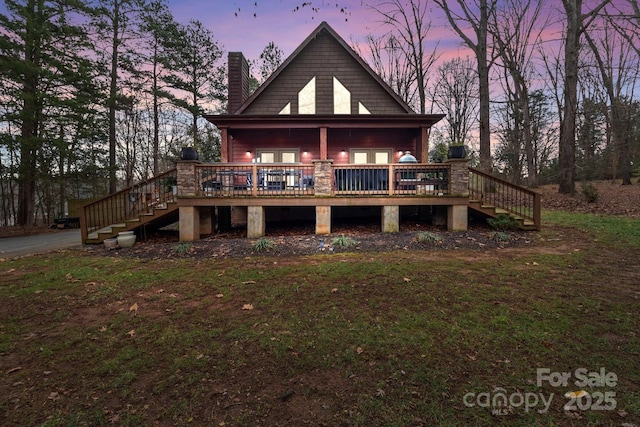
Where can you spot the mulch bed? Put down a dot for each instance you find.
(299, 240)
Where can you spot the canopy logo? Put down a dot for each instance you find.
(502, 403)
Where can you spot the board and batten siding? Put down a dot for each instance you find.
(324, 58)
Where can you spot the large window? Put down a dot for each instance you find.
(284, 155)
(379, 156)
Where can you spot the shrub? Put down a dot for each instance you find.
(263, 244)
(590, 192)
(500, 236)
(183, 248)
(343, 241)
(427, 237)
(504, 222)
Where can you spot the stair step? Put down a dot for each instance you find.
(500, 211)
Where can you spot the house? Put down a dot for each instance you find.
(324, 134)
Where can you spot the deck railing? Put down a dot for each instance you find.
(490, 190)
(286, 179)
(243, 180)
(129, 203)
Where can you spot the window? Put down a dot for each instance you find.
(286, 109)
(379, 156)
(341, 98)
(285, 155)
(307, 98)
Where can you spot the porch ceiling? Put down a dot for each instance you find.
(398, 121)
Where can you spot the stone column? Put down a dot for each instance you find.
(459, 177)
(457, 215)
(187, 177)
(322, 177)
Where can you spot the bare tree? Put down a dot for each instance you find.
(475, 15)
(516, 28)
(387, 60)
(577, 23)
(617, 64)
(456, 94)
(410, 27)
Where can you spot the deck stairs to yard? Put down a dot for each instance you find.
(151, 202)
(154, 202)
(493, 196)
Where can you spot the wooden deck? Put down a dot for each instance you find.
(321, 185)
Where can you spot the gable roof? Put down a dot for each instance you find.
(400, 106)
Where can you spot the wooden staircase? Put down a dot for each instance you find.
(146, 202)
(493, 196)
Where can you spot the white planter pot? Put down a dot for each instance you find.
(111, 243)
(126, 239)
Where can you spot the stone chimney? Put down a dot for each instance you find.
(238, 81)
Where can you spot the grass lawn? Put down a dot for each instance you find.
(439, 337)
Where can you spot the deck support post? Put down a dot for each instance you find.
(390, 219)
(189, 223)
(457, 217)
(323, 219)
(206, 220)
(256, 223)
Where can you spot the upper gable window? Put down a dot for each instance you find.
(341, 98)
(286, 109)
(362, 109)
(307, 98)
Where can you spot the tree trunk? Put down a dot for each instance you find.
(483, 75)
(30, 115)
(567, 147)
(113, 97)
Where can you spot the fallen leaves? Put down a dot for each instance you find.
(247, 307)
(70, 278)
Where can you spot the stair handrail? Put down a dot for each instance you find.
(128, 203)
(491, 190)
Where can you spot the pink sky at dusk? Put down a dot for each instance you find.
(275, 20)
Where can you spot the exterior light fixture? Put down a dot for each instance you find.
(248, 153)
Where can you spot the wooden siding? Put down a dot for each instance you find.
(324, 58)
(347, 139)
(309, 140)
(251, 139)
